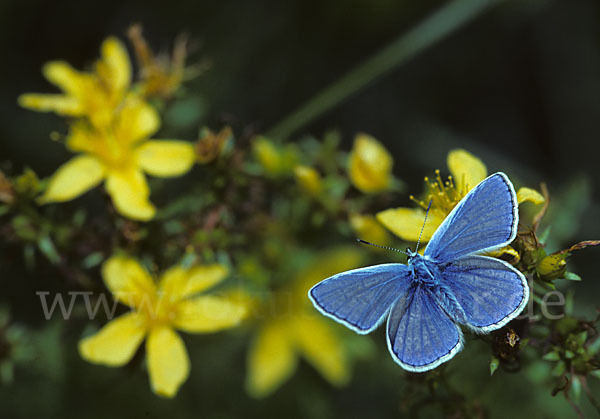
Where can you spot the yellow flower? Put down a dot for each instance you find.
(157, 310)
(291, 328)
(94, 95)
(276, 160)
(308, 179)
(120, 155)
(370, 165)
(467, 171)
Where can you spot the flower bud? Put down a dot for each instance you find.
(552, 267)
(368, 228)
(308, 179)
(370, 165)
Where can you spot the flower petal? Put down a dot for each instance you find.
(128, 281)
(208, 314)
(129, 192)
(166, 158)
(368, 228)
(168, 362)
(271, 360)
(114, 68)
(370, 164)
(507, 253)
(321, 348)
(136, 121)
(61, 104)
(180, 283)
(71, 81)
(466, 169)
(529, 195)
(115, 344)
(73, 178)
(406, 223)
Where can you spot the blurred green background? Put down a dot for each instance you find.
(518, 86)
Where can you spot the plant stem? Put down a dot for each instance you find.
(444, 21)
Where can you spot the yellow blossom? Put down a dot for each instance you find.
(276, 160)
(290, 328)
(466, 172)
(120, 155)
(370, 165)
(95, 95)
(157, 310)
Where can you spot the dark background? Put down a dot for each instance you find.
(519, 86)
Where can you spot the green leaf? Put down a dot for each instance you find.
(559, 369)
(47, 247)
(93, 259)
(576, 388)
(594, 347)
(551, 356)
(572, 276)
(494, 364)
(544, 235)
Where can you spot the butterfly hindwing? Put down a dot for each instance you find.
(490, 291)
(485, 219)
(361, 298)
(420, 334)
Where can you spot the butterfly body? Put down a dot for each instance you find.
(451, 284)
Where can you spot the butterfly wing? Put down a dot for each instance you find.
(485, 219)
(360, 298)
(420, 335)
(490, 291)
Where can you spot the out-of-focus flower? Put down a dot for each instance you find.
(95, 95)
(157, 310)
(290, 327)
(275, 160)
(308, 179)
(160, 75)
(211, 144)
(120, 155)
(467, 171)
(370, 165)
(368, 228)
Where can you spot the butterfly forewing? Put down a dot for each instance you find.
(420, 334)
(490, 291)
(361, 298)
(485, 219)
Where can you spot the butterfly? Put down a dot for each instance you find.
(426, 300)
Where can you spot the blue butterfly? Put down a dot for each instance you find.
(426, 300)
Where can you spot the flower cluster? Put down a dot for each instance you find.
(243, 244)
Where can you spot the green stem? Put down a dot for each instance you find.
(444, 21)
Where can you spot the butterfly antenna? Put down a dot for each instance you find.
(423, 227)
(381, 247)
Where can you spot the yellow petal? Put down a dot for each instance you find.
(370, 164)
(321, 348)
(368, 228)
(71, 81)
(466, 169)
(61, 104)
(128, 281)
(207, 314)
(73, 178)
(116, 343)
(129, 192)
(114, 68)
(168, 362)
(406, 223)
(166, 158)
(507, 253)
(136, 121)
(529, 195)
(180, 283)
(271, 360)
